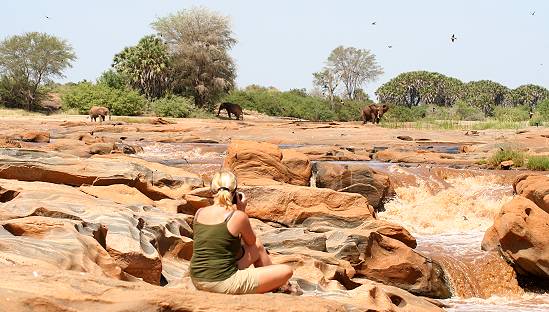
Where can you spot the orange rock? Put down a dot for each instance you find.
(259, 163)
(535, 188)
(36, 137)
(391, 262)
(118, 193)
(354, 178)
(49, 243)
(291, 205)
(506, 165)
(520, 233)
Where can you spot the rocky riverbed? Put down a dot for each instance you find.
(98, 216)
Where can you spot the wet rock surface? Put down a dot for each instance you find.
(520, 230)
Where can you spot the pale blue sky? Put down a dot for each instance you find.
(282, 42)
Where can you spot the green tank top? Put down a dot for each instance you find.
(215, 252)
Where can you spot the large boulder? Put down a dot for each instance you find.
(291, 205)
(263, 163)
(156, 181)
(354, 178)
(391, 262)
(350, 243)
(535, 188)
(520, 234)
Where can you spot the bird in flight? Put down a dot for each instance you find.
(47, 17)
(374, 23)
(533, 13)
(390, 47)
(453, 38)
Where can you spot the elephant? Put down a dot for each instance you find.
(231, 108)
(99, 111)
(373, 113)
(381, 110)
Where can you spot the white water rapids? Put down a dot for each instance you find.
(449, 217)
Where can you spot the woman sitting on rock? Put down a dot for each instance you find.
(220, 262)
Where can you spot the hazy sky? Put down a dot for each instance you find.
(281, 43)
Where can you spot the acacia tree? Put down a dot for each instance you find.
(529, 94)
(199, 41)
(484, 94)
(420, 87)
(29, 61)
(146, 66)
(327, 80)
(354, 67)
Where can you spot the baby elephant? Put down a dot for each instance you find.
(231, 108)
(99, 111)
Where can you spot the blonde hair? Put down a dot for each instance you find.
(223, 185)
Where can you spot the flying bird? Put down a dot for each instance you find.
(390, 47)
(47, 17)
(533, 13)
(453, 38)
(374, 23)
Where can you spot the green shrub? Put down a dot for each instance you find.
(201, 113)
(112, 79)
(495, 124)
(542, 110)
(519, 113)
(294, 103)
(505, 154)
(84, 95)
(464, 111)
(405, 114)
(536, 121)
(172, 106)
(538, 163)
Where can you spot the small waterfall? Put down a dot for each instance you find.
(448, 211)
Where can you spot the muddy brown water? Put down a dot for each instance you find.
(446, 209)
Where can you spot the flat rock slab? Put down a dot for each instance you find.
(32, 289)
(291, 205)
(156, 181)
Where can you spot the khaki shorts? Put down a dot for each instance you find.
(242, 282)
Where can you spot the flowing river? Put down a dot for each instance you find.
(447, 210)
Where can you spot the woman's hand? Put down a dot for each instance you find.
(241, 202)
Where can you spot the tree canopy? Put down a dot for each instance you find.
(30, 60)
(354, 67)
(420, 87)
(529, 95)
(484, 94)
(199, 41)
(146, 66)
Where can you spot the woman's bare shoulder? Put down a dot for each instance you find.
(240, 215)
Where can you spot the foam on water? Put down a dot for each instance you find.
(463, 204)
(526, 303)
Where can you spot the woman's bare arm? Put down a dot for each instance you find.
(240, 224)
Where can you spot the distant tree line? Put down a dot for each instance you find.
(429, 88)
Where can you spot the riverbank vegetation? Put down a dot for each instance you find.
(185, 70)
